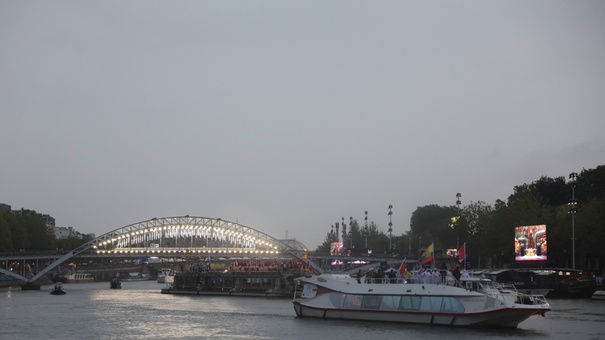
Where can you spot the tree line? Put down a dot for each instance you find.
(28, 233)
(488, 229)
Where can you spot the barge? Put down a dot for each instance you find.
(276, 284)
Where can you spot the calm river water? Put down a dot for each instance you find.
(139, 311)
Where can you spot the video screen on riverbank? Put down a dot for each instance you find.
(336, 248)
(530, 243)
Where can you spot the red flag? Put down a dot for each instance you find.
(401, 270)
(462, 252)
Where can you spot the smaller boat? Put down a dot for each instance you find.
(58, 289)
(165, 275)
(115, 283)
(598, 295)
(58, 278)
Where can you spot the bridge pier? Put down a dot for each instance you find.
(30, 286)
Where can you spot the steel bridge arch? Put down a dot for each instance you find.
(137, 238)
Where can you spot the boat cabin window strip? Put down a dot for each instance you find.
(444, 304)
(371, 302)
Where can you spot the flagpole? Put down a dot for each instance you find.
(433, 252)
(464, 259)
(464, 255)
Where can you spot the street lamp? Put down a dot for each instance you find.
(365, 231)
(458, 202)
(344, 234)
(573, 209)
(390, 229)
(351, 232)
(337, 227)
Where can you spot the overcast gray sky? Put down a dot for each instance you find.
(289, 115)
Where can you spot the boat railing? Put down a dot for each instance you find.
(380, 280)
(521, 298)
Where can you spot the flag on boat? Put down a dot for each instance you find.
(208, 259)
(428, 255)
(401, 271)
(462, 252)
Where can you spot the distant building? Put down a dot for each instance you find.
(50, 223)
(65, 232)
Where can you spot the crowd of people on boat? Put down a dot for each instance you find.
(435, 275)
(268, 266)
(199, 267)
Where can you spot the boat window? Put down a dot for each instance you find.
(451, 304)
(409, 303)
(488, 285)
(390, 302)
(371, 302)
(353, 301)
(431, 303)
(337, 299)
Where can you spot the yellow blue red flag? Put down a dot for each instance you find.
(428, 255)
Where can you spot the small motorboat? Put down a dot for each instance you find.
(115, 283)
(58, 289)
(598, 295)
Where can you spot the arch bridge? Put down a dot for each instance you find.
(170, 236)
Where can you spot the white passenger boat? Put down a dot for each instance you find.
(478, 303)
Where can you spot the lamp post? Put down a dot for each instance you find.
(390, 230)
(365, 230)
(337, 227)
(458, 202)
(351, 232)
(344, 234)
(573, 209)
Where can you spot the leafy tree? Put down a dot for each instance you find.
(69, 243)
(378, 241)
(591, 184)
(36, 232)
(435, 220)
(6, 242)
(20, 238)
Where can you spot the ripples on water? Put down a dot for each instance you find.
(139, 311)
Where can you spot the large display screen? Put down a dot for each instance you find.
(336, 248)
(530, 243)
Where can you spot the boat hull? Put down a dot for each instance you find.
(473, 302)
(498, 318)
